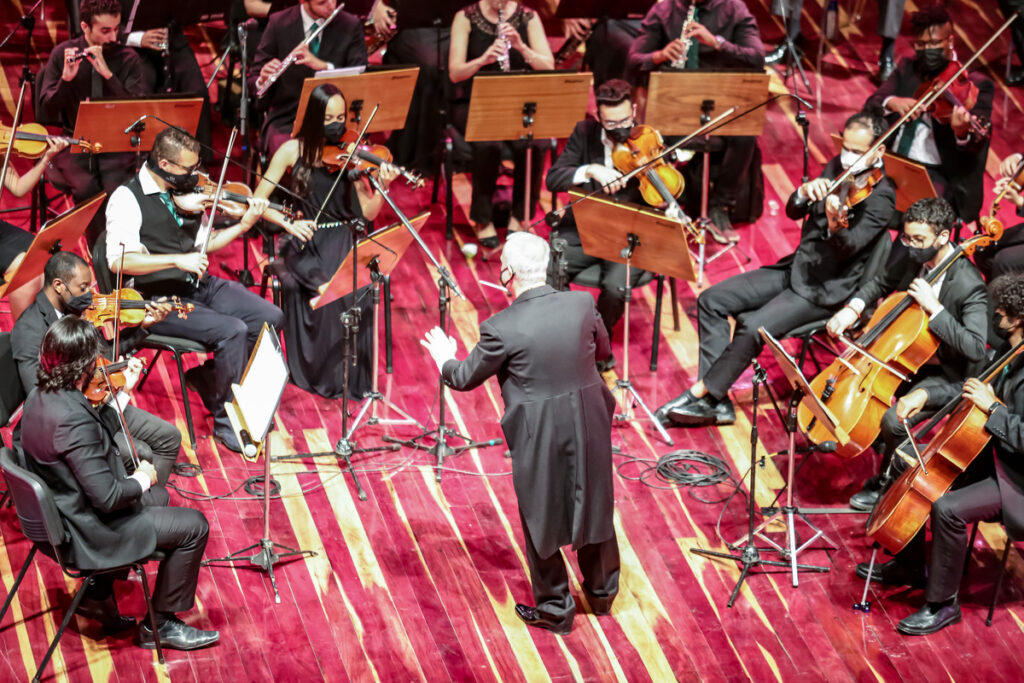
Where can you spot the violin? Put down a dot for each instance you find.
(855, 190)
(366, 157)
(859, 385)
(234, 199)
(30, 141)
(906, 505)
(98, 390)
(130, 307)
(960, 92)
(660, 184)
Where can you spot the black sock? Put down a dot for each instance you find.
(162, 617)
(888, 44)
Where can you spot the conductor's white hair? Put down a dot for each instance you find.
(527, 256)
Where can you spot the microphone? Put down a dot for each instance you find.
(823, 447)
(553, 218)
(137, 121)
(248, 445)
(356, 173)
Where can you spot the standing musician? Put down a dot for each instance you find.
(1006, 255)
(107, 69)
(314, 337)
(586, 162)
(160, 252)
(112, 518)
(557, 423)
(68, 293)
(957, 306)
(480, 42)
(340, 44)
(803, 287)
(723, 35)
(993, 495)
(953, 154)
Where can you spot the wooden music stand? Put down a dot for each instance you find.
(58, 233)
(106, 120)
(390, 86)
(910, 178)
(675, 100)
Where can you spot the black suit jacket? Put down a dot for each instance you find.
(558, 412)
(341, 43)
(825, 267)
(963, 166)
(70, 448)
(583, 147)
(962, 325)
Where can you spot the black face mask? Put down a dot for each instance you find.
(921, 256)
(619, 135)
(1001, 331)
(179, 182)
(931, 61)
(334, 131)
(77, 304)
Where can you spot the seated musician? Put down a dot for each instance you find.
(952, 153)
(314, 337)
(803, 287)
(68, 292)
(995, 490)
(160, 252)
(107, 70)
(723, 36)
(340, 44)
(586, 162)
(1006, 255)
(607, 43)
(14, 241)
(112, 518)
(957, 307)
(480, 42)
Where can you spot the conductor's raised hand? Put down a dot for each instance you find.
(441, 347)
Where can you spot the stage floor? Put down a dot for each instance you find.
(419, 581)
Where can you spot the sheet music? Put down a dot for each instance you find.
(260, 390)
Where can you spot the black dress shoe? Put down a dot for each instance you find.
(930, 618)
(533, 617)
(704, 412)
(892, 573)
(661, 414)
(175, 635)
(865, 500)
(886, 66)
(776, 55)
(599, 606)
(106, 613)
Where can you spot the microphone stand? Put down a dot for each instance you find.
(243, 274)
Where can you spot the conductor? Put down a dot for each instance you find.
(557, 423)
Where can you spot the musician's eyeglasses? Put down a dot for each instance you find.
(919, 242)
(621, 123)
(188, 169)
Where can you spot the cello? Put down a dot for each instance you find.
(859, 385)
(907, 504)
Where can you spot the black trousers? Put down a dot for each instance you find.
(228, 318)
(156, 441)
(608, 47)
(611, 302)
(733, 174)
(599, 563)
(760, 298)
(890, 15)
(892, 433)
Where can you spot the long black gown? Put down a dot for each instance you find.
(314, 337)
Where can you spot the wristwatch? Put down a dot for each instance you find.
(719, 40)
(992, 408)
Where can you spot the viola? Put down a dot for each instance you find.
(98, 390)
(859, 385)
(30, 141)
(961, 92)
(130, 307)
(366, 157)
(855, 190)
(660, 184)
(906, 505)
(234, 199)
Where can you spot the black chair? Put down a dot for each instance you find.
(12, 394)
(178, 347)
(999, 578)
(42, 524)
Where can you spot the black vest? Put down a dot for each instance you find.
(161, 234)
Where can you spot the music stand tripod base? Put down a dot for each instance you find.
(265, 558)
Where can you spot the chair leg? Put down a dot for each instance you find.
(675, 303)
(999, 581)
(17, 582)
(141, 571)
(75, 602)
(970, 551)
(148, 369)
(185, 401)
(657, 322)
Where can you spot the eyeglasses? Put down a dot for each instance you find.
(919, 242)
(188, 169)
(621, 123)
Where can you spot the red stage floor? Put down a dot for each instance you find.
(419, 581)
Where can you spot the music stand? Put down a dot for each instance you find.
(525, 106)
(64, 230)
(910, 178)
(379, 253)
(251, 413)
(131, 125)
(629, 233)
(391, 87)
(679, 102)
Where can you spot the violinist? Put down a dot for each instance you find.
(68, 293)
(957, 306)
(950, 150)
(996, 493)
(488, 36)
(805, 286)
(1006, 255)
(313, 336)
(160, 254)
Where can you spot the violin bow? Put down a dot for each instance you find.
(219, 191)
(114, 352)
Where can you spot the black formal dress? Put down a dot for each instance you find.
(314, 337)
(341, 43)
(156, 441)
(485, 162)
(805, 286)
(109, 519)
(959, 175)
(737, 185)
(589, 145)
(557, 424)
(13, 241)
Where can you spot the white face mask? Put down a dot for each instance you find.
(847, 159)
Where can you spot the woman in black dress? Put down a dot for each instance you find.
(477, 44)
(314, 337)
